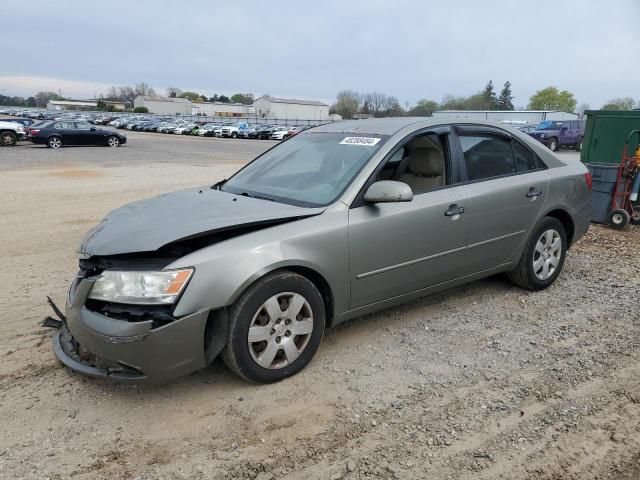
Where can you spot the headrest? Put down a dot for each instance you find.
(426, 161)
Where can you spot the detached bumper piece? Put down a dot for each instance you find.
(73, 355)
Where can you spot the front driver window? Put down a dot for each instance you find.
(420, 163)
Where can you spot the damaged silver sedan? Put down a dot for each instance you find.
(338, 221)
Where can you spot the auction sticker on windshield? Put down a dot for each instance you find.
(366, 141)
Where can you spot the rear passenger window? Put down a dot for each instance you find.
(525, 159)
(487, 156)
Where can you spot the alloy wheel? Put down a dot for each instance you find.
(55, 142)
(113, 141)
(6, 139)
(280, 330)
(547, 254)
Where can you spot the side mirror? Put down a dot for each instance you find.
(388, 191)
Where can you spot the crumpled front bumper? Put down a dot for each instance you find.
(105, 347)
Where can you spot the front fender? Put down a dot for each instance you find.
(226, 269)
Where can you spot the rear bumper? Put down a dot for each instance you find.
(582, 221)
(104, 347)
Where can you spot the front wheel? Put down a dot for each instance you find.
(54, 142)
(113, 141)
(8, 139)
(234, 135)
(543, 256)
(275, 328)
(553, 145)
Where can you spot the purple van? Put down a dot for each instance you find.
(560, 133)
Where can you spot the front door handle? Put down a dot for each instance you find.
(533, 193)
(453, 211)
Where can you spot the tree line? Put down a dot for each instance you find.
(350, 103)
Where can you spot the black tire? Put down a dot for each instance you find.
(579, 146)
(113, 141)
(54, 142)
(524, 275)
(8, 139)
(234, 135)
(237, 355)
(619, 218)
(553, 144)
(635, 217)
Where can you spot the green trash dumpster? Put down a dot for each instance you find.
(605, 134)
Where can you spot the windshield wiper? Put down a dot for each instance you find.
(251, 195)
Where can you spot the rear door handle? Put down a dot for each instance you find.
(533, 193)
(453, 211)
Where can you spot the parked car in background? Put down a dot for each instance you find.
(265, 132)
(10, 133)
(278, 133)
(294, 131)
(217, 131)
(336, 223)
(233, 131)
(56, 134)
(246, 133)
(183, 129)
(25, 122)
(207, 130)
(560, 133)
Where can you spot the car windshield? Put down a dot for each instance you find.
(310, 169)
(549, 125)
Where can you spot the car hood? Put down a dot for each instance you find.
(150, 224)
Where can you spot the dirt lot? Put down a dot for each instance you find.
(483, 382)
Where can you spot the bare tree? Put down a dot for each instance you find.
(173, 92)
(348, 103)
(144, 89)
(581, 109)
(376, 102)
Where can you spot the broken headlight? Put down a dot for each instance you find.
(140, 288)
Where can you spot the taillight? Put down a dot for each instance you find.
(589, 180)
(33, 131)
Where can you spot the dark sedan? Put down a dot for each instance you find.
(56, 134)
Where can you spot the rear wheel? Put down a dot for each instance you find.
(619, 218)
(275, 328)
(54, 142)
(113, 141)
(543, 256)
(8, 139)
(635, 217)
(579, 146)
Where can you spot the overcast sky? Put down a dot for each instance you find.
(411, 49)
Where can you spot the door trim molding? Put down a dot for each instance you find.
(437, 255)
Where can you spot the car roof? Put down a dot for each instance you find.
(392, 125)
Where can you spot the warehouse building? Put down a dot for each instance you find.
(163, 105)
(273, 108)
(512, 117)
(184, 106)
(89, 105)
(220, 109)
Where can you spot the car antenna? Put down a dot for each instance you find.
(217, 185)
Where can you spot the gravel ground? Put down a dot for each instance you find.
(485, 381)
